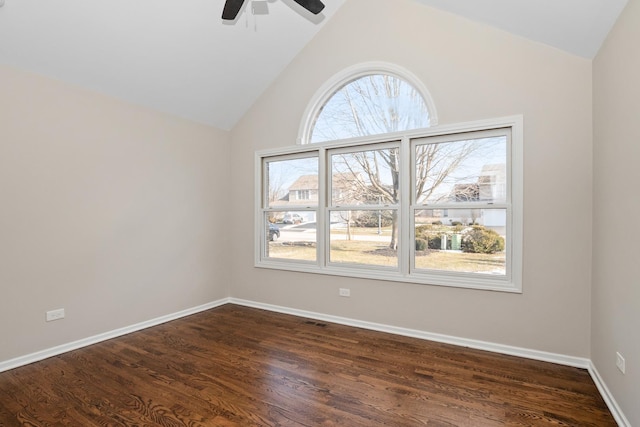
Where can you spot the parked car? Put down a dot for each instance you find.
(292, 218)
(274, 232)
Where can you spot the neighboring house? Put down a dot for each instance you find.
(492, 183)
(303, 190)
(490, 187)
(346, 188)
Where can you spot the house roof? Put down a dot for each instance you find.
(305, 182)
(340, 180)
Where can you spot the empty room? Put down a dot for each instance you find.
(319, 213)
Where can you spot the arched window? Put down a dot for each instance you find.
(436, 206)
(369, 99)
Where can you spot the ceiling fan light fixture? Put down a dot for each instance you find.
(258, 7)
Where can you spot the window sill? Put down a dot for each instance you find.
(477, 282)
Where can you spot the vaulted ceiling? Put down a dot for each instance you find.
(181, 58)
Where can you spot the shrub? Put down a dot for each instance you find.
(456, 223)
(482, 240)
(437, 222)
(370, 219)
(434, 242)
(422, 231)
(421, 244)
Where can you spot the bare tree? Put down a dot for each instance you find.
(383, 104)
(276, 190)
(371, 105)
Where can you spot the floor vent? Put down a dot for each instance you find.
(311, 322)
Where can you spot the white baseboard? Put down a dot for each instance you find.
(577, 362)
(617, 413)
(54, 351)
(560, 359)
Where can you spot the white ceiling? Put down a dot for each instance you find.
(576, 26)
(181, 58)
(174, 56)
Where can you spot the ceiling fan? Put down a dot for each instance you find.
(232, 7)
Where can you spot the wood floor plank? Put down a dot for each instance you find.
(238, 366)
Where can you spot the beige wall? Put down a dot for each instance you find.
(120, 214)
(473, 72)
(616, 257)
(107, 210)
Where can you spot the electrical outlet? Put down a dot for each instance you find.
(344, 292)
(55, 315)
(620, 363)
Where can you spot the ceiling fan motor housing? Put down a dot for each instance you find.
(232, 7)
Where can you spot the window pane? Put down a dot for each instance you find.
(292, 182)
(364, 237)
(462, 171)
(291, 235)
(371, 105)
(365, 177)
(465, 240)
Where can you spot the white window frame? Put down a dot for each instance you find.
(444, 276)
(330, 206)
(303, 194)
(350, 74)
(511, 282)
(262, 186)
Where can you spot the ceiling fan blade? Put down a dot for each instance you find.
(313, 6)
(231, 9)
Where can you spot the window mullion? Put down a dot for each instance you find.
(404, 252)
(322, 224)
(365, 207)
(259, 186)
(461, 205)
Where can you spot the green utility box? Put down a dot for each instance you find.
(456, 242)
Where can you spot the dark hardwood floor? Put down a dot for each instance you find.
(237, 366)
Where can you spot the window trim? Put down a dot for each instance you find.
(330, 206)
(346, 76)
(262, 181)
(515, 163)
(507, 204)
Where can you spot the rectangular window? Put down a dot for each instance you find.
(303, 195)
(466, 176)
(289, 227)
(364, 192)
(438, 206)
(362, 238)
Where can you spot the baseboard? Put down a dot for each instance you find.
(560, 359)
(617, 413)
(54, 351)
